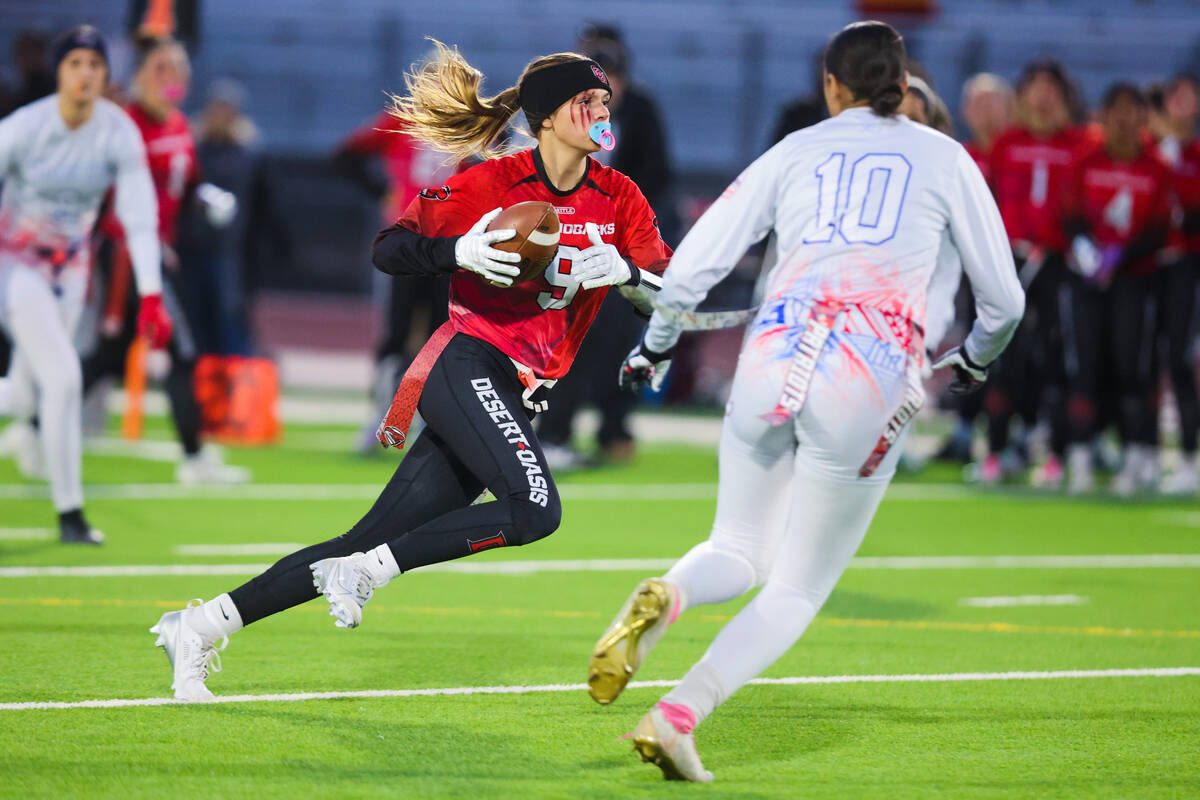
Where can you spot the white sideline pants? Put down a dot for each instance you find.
(791, 509)
(44, 377)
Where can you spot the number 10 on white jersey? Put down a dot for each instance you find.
(868, 210)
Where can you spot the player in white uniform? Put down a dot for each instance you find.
(827, 379)
(58, 157)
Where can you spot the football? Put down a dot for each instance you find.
(536, 241)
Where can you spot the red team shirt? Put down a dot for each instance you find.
(1030, 177)
(171, 154)
(1121, 200)
(982, 159)
(539, 323)
(1187, 194)
(410, 165)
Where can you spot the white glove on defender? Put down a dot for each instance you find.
(601, 264)
(474, 251)
(968, 376)
(644, 368)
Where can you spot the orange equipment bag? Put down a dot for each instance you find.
(238, 399)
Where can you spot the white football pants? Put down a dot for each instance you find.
(791, 509)
(44, 377)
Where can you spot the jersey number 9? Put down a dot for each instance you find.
(564, 285)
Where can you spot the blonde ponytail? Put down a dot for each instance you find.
(444, 110)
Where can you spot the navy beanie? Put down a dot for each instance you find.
(84, 36)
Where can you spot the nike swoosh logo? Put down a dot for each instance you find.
(223, 611)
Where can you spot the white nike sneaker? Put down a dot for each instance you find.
(658, 742)
(191, 654)
(20, 440)
(348, 583)
(208, 466)
(1184, 480)
(1079, 462)
(640, 623)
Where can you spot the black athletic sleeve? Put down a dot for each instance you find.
(400, 251)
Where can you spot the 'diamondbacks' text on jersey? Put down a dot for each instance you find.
(860, 205)
(541, 322)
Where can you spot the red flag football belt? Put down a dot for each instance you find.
(822, 318)
(393, 431)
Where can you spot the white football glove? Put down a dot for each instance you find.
(601, 264)
(474, 251)
(220, 206)
(968, 376)
(644, 367)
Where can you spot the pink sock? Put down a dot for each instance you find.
(678, 606)
(682, 718)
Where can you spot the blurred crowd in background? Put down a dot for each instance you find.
(1100, 202)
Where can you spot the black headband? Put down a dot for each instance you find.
(545, 89)
(83, 37)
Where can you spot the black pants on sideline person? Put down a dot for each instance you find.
(478, 435)
(1177, 285)
(1029, 377)
(1112, 330)
(108, 358)
(593, 378)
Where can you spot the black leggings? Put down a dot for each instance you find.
(1028, 378)
(1112, 333)
(108, 357)
(1176, 308)
(478, 435)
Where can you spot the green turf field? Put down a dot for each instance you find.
(69, 637)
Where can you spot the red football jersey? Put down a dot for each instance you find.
(982, 159)
(1187, 194)
(171, 153)
(1030, 177)
(541, 322)
(1120, 200)
(410, 165)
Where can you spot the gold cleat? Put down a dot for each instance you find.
(639, 625)
(657, 742)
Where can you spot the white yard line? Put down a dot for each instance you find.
(1024, 600)
(1162, 560)
(901, 492)
(23, 534)
(257, 549)
(953, 677)
(342, 491)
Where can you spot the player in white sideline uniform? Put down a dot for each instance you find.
(58, 157)
(827, 379)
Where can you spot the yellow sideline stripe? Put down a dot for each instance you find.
(833, 622)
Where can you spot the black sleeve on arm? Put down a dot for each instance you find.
(399, 251)
(1147, 243)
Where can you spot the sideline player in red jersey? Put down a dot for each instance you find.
(1118, 212)
(1180, 147)
(481, 376)
(1030, 168)
(160, 84)
(410, 167)
(987, 102)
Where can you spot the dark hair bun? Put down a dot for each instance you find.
(887, 100)
(869, 59)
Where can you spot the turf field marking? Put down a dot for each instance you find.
(954, 677)
(518, 568)
(25, 534)
(1024, 600)
(258, 549)
(491, 611)
(928, 492)
(342, 491)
